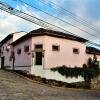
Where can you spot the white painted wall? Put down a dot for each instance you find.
(57, 76)
(48, 74)
(27, 69)
(17, 35)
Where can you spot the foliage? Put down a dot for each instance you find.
(89, 63)
(93, 63)
(86, 72)
(84, 85)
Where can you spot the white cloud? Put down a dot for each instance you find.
(10, 23)
(7, 23)
(80, 7)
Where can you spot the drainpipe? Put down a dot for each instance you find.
(13, 60)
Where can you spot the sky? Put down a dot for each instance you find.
(88, 10)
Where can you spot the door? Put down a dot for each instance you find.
(38, 64)
(2, 62)
(38, 58)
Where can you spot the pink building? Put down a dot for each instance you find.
(6, 48)
(90, 51)
(40, 50)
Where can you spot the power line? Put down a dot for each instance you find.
(30, 18)
(75, 17)
(58, 18)
(23, 15)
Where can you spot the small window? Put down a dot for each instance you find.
(18, 51)
(38, 46)
(7, 49)
(76, 50)
(55, 47)
(26, 48)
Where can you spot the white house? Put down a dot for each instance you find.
(40, 50)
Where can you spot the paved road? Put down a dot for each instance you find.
(14, 87)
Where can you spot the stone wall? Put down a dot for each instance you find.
(95, 83)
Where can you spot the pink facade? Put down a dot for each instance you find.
(23, 59)
(65, 55)
(6, 52)
(6, 48)
(51, 58)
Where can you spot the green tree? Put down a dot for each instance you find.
(89, 63)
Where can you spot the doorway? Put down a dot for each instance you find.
(38, 63)
(38, 58)
(2, 62)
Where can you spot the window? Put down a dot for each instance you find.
(55, 47)
(26, 48)
(38, 46)
(76, 50)
(7, 48)
(18, 51)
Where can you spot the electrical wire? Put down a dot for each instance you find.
(59, 19)
(33, 19)
(75, 17)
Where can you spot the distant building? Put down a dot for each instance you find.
(40, 50)
(90, 51)
(6, 48)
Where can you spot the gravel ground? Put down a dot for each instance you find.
(14, 87)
